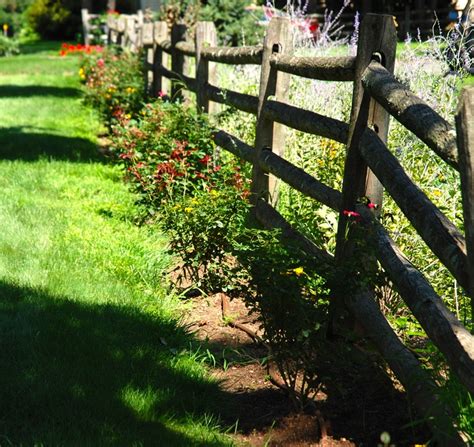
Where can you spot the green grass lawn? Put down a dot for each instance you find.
(91, 348)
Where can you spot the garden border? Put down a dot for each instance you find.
(369, 167)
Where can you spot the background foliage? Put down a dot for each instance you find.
(54, 19)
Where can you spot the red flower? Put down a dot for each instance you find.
(176, 154)
(126, 156)
(205, 160)
(372, 205)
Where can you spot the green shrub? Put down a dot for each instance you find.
(290, 301)
(235, 26)
(114, 83)
(167, 152)
(170, 160)
(54, 19)
(11, 15)
(202, 228)
(8, 46)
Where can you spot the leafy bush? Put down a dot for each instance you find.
(11, 15)
(166, 151)
(114, 83)
(235, 26)
(54, 19)
(202, 228)
(8, 46)
(169, 157)
(290, 300)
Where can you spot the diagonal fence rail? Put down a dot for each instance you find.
(369, 168)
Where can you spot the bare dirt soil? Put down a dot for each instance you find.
(358, 400)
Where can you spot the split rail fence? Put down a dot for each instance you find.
(369, 169)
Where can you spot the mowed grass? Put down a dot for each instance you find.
(91, 349)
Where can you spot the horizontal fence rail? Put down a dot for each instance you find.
(322, 68)
(414, 113)
(234, 56)
(188, 49)
(439, 233)
(241, 101)
(369, 168)
(306, 121)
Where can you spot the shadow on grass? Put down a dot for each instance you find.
(74, 374)
(31, 144)
(16, 91)
(39, 47)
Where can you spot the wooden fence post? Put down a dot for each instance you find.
(111, 27)
(147, 44)
(206, 35)
(269, 135)
(121, 27)
(465, 138)
(139, 22)
(85, 25)
(377, 41)
(178, 33)
(160, 33)
(130, 33)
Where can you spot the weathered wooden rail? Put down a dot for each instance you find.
(369, 168)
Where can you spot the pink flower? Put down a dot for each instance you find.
(100, 62)
(372, 205)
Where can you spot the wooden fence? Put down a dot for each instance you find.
(369, 168)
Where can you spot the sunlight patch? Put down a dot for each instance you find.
(141, 401)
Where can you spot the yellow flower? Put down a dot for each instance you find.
(176, 207)
(128, 116)
(130, 90)
(188, 209)
(194, 201)
(298, 271)
(437, 193)
(214, 193)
